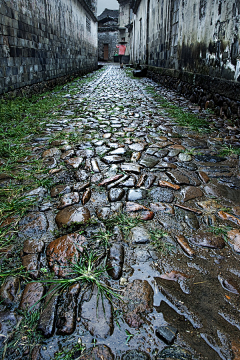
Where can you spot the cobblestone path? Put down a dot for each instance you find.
(140, 208)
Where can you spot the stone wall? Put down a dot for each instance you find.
(44, 40)
(220, 95)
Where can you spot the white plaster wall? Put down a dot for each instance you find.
(192, 35)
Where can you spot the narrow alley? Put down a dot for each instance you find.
(133, 250)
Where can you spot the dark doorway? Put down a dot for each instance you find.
(105, 50)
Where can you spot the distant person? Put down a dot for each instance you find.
(121, 52)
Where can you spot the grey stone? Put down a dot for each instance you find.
(116, 194)
(139, 235)
(96, 315)
(112, 159)
(162, 195)
(149, 161)
(137, 194)
(166, 333)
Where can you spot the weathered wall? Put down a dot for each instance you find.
(191, 46)
(44, 40)
(110, 38)
(190, 35)
(124, 20)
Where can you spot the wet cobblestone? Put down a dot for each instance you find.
(128, 181)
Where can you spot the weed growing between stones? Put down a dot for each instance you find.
(125, 223)
(103, 237)
(158, 243)
(68, 354)
(220, 230)
(85, 271)
(20, 272)
(25, 335)
(229, 150)
(179, 114)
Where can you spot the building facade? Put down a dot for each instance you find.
(44, 41)
(107, 35)
(198, 36)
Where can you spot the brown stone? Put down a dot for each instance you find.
(174, 276)
(64, 251)
(192, 192)
(185, 246)
(195, 211)
(67, 154)
(68, 199)
(9, 289)
(51, 152)
(135, 156)
(59, 190)
(67, 311)
(141, 180)
(236, 348)
(30, 263)
(138, 300)
(99, 352)
(55, 171)
(111, 179)
(208, 240)
(134, 168)
(74, 162)
(4, 176)
(162, 207)
(137, 210)
(71, 215)
(33, 246)
(225, 216)
(86, 196)
(177, 147)
(234, 236)
(203, 176)
(169, 185)
(31, 296)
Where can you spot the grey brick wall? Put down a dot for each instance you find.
(41, 41)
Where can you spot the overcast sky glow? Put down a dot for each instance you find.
(109, 4)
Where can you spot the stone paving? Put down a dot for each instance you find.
(160, 208)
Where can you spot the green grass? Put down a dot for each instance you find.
(103, 237)
(157, 241)
(22, 119)
(123, 221)
(85, 271)
(229, 150)
(220, 230)
(24, 336)
(179, 114)
(68, 354)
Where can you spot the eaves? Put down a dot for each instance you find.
(135, 5)
(88, 9)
